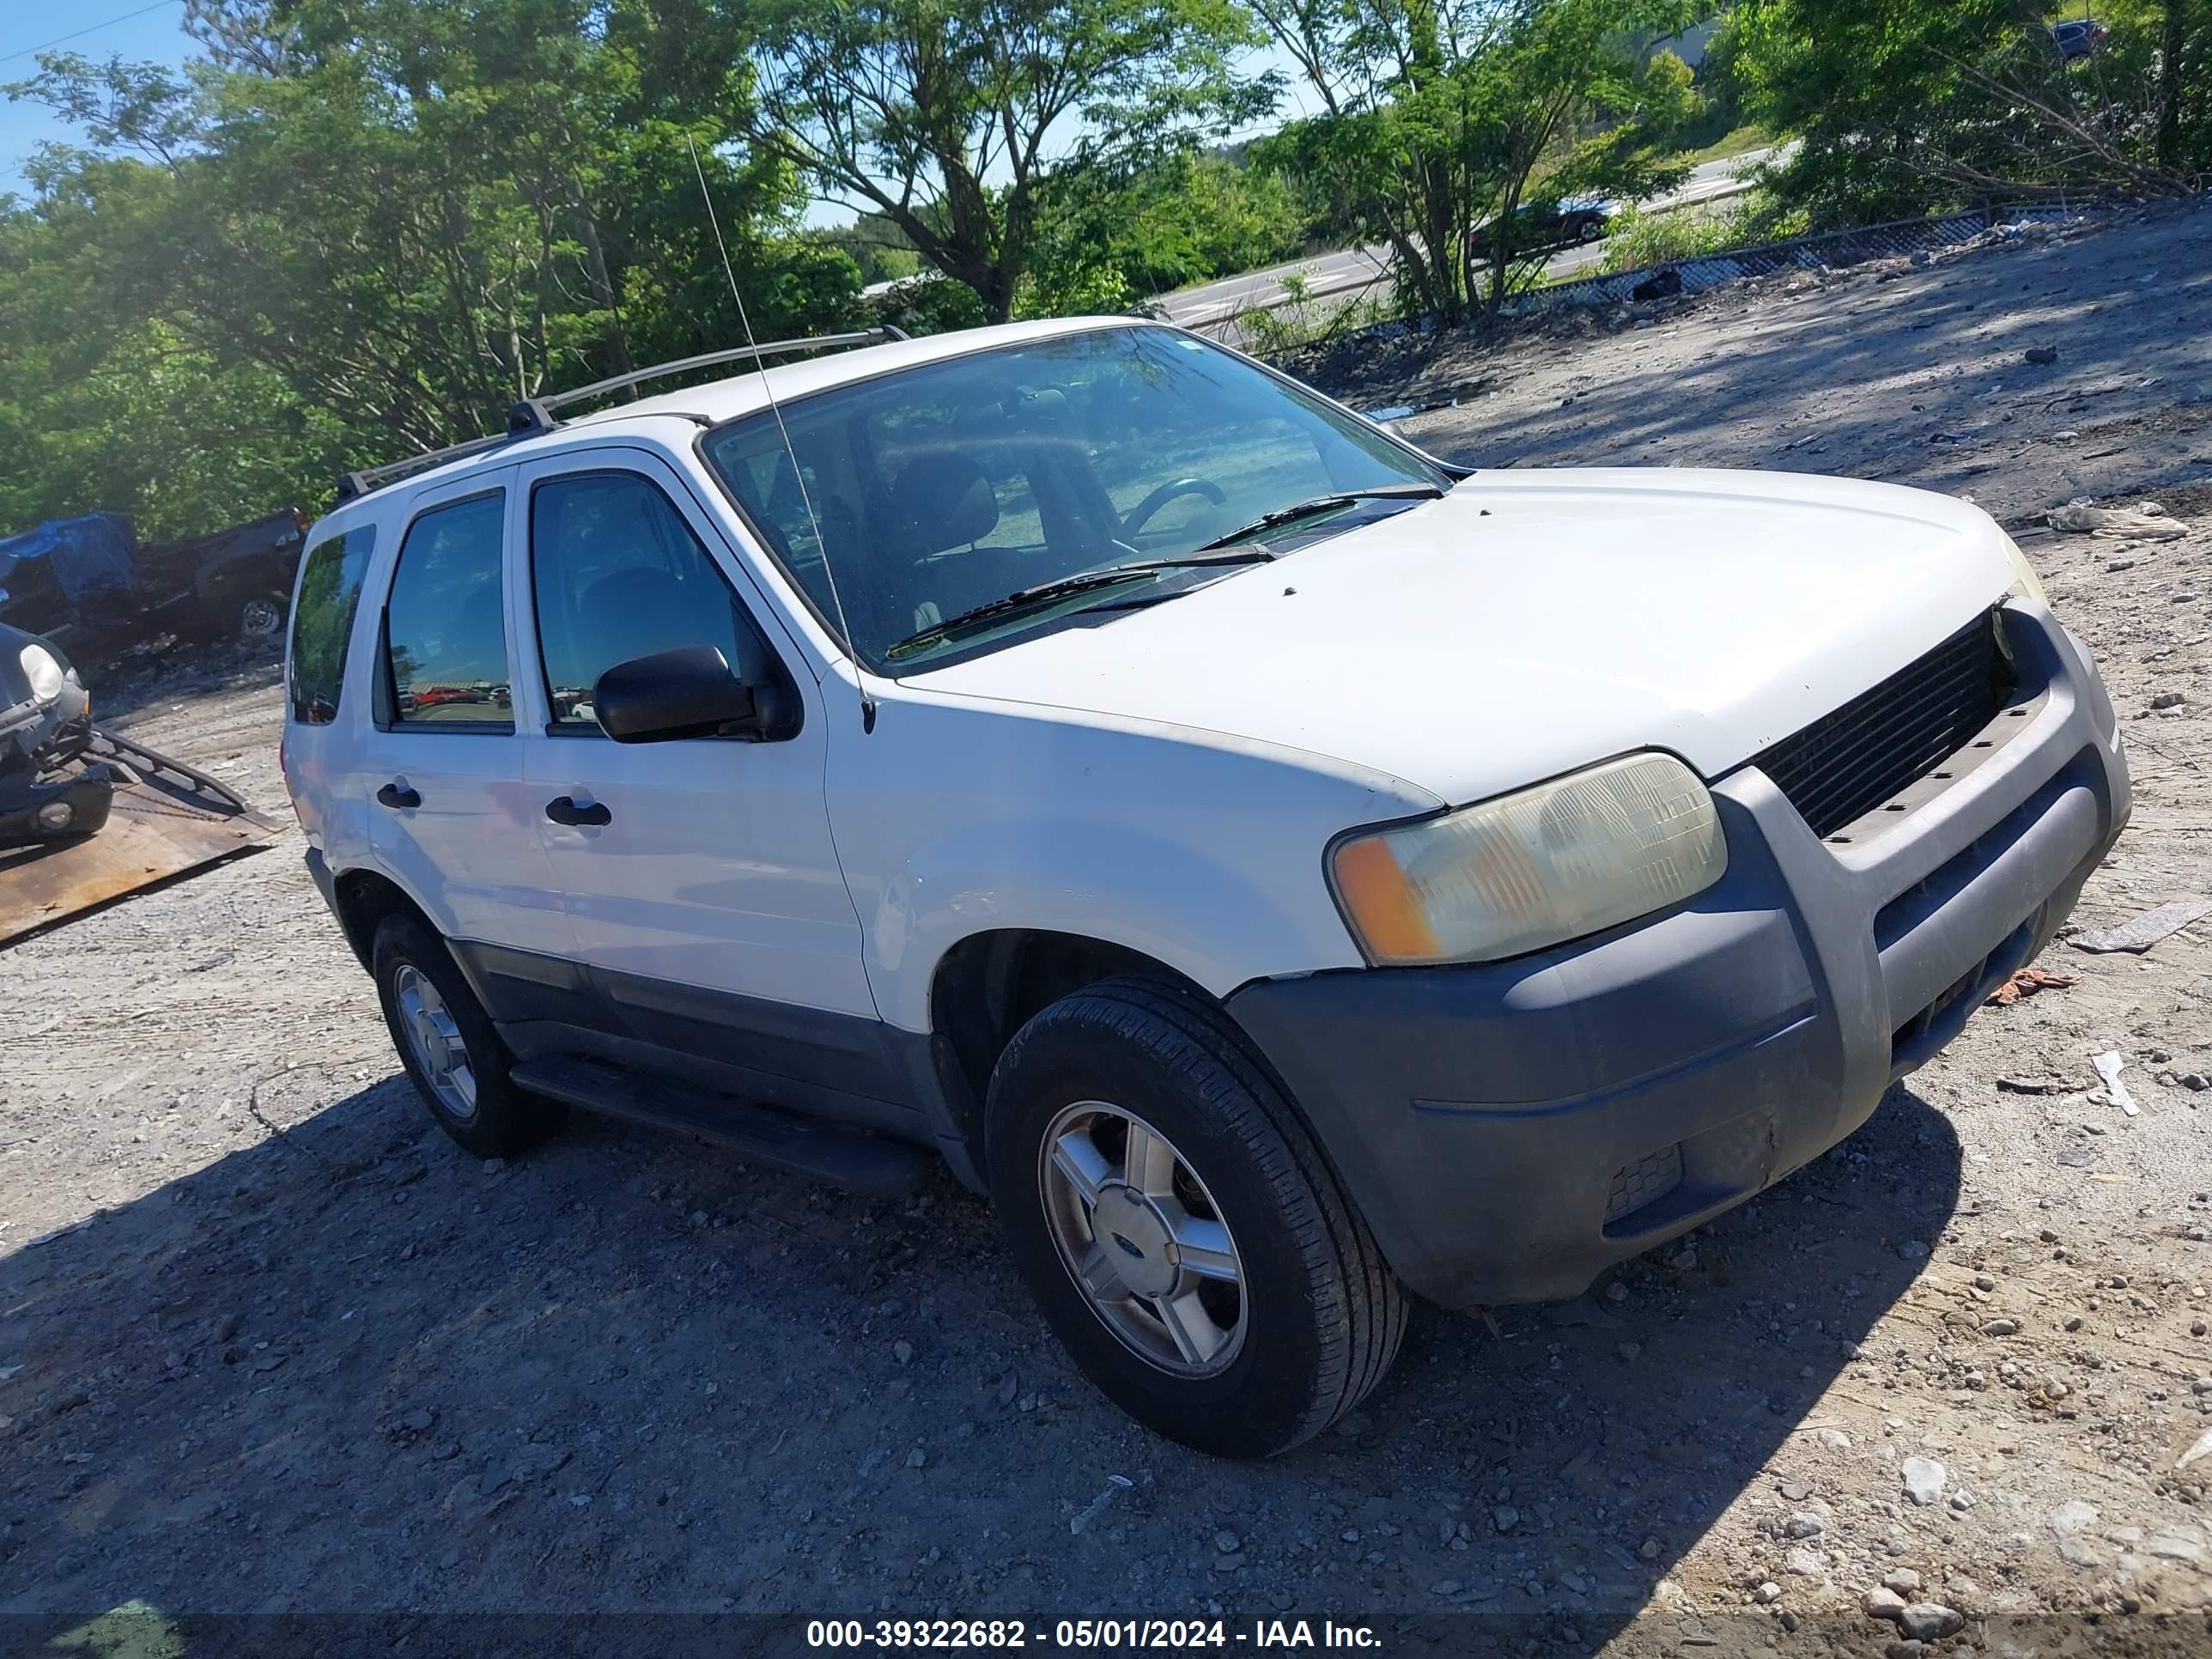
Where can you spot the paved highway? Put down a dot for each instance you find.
(1364, 267)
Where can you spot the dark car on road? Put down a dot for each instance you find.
(1540, 227)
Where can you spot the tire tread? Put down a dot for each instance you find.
(1362, 1309)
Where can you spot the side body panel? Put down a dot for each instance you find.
(955, 816)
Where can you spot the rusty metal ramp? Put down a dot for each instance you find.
(168, 821)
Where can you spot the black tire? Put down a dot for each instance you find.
(506, 1120)
(1323, 1314)
(256, 618)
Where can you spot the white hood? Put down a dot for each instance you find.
(1532, 622)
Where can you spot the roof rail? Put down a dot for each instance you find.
(351, 484)
(534, 415)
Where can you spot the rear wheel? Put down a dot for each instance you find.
(1184, 1236)
(454, 1054)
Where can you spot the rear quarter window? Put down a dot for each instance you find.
(322, 622)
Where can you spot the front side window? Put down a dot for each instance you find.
(446, 626)
(908, 501)
(618, 574)
(322, 622)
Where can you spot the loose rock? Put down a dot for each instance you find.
(1928, 1622)
(1924, 1479)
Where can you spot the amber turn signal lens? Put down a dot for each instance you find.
(1383, 909)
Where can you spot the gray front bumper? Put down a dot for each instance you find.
(1499, 1124)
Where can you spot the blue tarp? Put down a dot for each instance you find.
(90, 555)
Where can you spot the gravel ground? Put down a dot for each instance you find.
(298, 1355)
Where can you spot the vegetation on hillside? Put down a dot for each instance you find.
(351, 229)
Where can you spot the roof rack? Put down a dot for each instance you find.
(534, 415)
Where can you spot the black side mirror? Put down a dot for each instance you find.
(688, 692)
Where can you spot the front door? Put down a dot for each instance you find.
(700, 875)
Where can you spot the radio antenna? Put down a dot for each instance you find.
(798, 472)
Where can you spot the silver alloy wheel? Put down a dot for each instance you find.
(259, 618)
(435, 1040)
(1142, 1238)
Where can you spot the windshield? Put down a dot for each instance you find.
(942, 489)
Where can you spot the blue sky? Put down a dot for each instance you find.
(157, 36)
(25, 24)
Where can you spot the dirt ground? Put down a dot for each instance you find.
(298, 1355)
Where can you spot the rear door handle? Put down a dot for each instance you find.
(398, 796)
(563, 809)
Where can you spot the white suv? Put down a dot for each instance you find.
(1281, 871)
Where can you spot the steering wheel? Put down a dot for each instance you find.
(1141, 514)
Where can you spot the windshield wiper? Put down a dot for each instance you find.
(1411, 490)
(1082, 581)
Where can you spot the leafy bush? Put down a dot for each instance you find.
(1304, 319)
(1638, 240)
(930, 304)
(1102, 240)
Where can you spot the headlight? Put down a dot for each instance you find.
(43, 672)
(1549, 864)
(2024, 581)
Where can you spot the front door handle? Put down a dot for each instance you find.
(398, 796)
(563, 809)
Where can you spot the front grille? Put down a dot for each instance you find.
(1846, 764)
(1644, 1181)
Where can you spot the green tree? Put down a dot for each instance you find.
(1672, 104)
(1443, 113)
(1103, 240)
(877, 247)
(1901, 108)
(948, 118)
(375, 224)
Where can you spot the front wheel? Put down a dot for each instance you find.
(1184, 1236)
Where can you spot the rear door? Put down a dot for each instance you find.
(708, 904)
(451, 817)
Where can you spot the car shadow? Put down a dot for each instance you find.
(348, 1370)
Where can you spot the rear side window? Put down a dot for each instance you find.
(322, 622)
(618, 574)
(445, 623)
